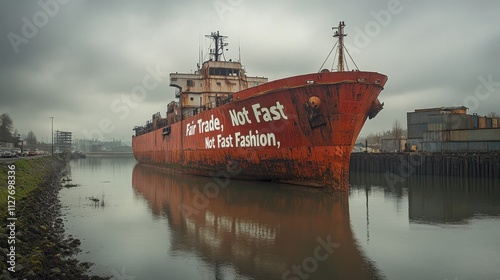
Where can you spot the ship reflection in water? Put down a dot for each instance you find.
(428, 227)
(439, 199)
(253, 230)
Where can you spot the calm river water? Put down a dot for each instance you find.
(136, 222)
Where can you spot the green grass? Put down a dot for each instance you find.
(29, 174)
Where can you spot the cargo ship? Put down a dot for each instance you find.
(297, 130)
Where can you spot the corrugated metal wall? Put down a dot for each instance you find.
(486, 134)
(416, 130)
(464, 146)
(418, 117)
(437, 136)
(442, 122)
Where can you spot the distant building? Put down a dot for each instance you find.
(87, 145)
(62, 140)
(7, 145)
(451, 129)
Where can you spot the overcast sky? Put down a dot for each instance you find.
(79, 61)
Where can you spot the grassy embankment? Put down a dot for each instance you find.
(29, 174)
(42, 250)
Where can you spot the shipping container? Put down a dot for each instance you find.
(433, 147)
(416, 130)
(442, 122)
(434, 136)
(487, 134)
(418, 117)
(436, 118)
(454, 147)
(457, 121)
(460, 110)
(478, 146)
(494, 146)
(494, 122)
(464, 146)
(482, 122)
(489, 123)
(435, 127)
(475, 121)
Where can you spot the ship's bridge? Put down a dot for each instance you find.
(211, 86)
(213, 77)
(214, 83)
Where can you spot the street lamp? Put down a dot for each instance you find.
(52, 132)
(22, 143)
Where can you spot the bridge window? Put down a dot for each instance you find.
(190, 83)
(223, 71)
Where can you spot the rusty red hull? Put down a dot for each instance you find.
(299, 130)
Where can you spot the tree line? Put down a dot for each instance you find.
(9, 136)
(397, 132)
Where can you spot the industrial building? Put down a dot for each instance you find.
(62, 141)
(451, 129)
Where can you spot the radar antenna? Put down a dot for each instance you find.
(218, 51)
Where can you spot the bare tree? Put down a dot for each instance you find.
(493, 115)
(31, 140)
(397, 130)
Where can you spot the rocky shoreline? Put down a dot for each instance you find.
(42, 249)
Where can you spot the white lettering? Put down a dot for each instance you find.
(209, 143)
(212, 124)
(254, 139)
(268, 114)
(190, 129)
(240, 117)
(224, 142)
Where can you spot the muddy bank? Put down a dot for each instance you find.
(33, 243)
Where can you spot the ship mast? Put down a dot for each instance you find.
(218, 51)
(340, 34)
